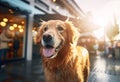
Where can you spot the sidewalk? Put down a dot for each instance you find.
(102, 70)
(23, 71)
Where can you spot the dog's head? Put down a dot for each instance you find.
(54, 35)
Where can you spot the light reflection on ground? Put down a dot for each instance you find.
(104, 69)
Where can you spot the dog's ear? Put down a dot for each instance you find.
(40, 31)
(72, 33)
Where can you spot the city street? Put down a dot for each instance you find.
(102, 70)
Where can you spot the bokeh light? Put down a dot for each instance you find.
(3, 24)
(11, 28)
(5, 19)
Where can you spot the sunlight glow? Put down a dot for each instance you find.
(106, 14)
(101, 21)
(99, 33)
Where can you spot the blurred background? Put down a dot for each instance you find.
(98, 22)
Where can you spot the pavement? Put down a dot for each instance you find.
(102, 70)
(23, 71)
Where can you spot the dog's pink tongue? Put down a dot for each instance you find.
(47, 52)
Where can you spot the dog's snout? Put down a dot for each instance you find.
(47, 37)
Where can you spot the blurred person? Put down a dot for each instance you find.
(16, 45)
(96, 47)
(4, 45)
(113, 49)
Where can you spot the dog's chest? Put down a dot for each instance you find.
(64, 75)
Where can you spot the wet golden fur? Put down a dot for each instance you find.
(71, 63)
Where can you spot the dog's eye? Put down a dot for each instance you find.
(45, 28)
(60, 28)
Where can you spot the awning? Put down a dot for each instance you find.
(20, 6)
(80, 24)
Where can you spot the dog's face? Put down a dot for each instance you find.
(54, 35)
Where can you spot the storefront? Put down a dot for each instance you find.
(17, 20)
(14, 22)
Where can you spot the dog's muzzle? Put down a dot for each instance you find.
(49, 50)
(48, 41)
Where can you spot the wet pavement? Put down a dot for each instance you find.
(102, 70)
(23, 71)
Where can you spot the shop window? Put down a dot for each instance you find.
(12, 30)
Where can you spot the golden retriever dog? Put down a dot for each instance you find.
(63, 60)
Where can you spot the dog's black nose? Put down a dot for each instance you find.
(47, 37)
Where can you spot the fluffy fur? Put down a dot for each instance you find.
(71, 63)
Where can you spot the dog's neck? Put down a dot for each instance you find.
(62, 59)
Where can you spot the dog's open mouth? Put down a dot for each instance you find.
(50, 51)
